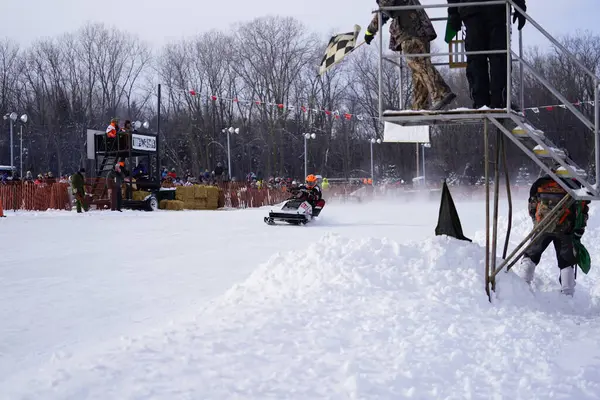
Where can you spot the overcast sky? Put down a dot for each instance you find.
(160, 21)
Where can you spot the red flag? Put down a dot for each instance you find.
(258, 102)
(327, 112)
(348, 116)
(214, 98)
(550, 108)
(235, 100)
(193, 92)
(303, 108)
(280, 106)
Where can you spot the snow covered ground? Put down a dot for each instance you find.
(365, 303)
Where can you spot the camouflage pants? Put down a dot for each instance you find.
(427, 81)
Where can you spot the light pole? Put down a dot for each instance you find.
(13, 118)
(424, 145)
(229, 131)
(372, 142)
(307, 137)
(24, 119)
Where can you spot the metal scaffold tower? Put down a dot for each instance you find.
(510, 125)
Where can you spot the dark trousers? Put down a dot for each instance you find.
(486, 73)
(116, 198)
(563, 244)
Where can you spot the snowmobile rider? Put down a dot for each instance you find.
(545, 193)
(412, 32)
(310, 190)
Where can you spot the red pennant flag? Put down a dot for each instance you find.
(348, 116)
(280, 106)
(193, 92)
(214, 98)
(303, 108)
(550, 108)
(235, 100)
(327, 112)
(337, 116)
(258, 102)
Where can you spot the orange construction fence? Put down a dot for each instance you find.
(30, 196)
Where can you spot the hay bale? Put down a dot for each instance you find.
(175, 205)
(184, 193)
(212, 204)
(200, 192)
(163, 204)
(139, 195)
(180, 193)
(212, 192)
(196, 204)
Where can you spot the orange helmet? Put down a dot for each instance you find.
(311, 181)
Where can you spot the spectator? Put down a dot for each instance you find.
(78, 187)
(114, 181)
(412, 33)
(486, 30)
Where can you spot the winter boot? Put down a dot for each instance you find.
(443, 102)
(528, 269)
(567, 281)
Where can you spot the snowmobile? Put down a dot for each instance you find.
(295, 211)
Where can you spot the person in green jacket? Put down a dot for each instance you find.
(78, 186)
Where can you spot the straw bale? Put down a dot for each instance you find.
(139, 195)
(196, 204)
(163, 204)
(184, 193)
(212, 192)
(200, 192)
(175, 205)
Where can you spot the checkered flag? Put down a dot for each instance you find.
(339, 46)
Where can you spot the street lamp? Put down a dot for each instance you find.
(24, 120)
(229, 131)
(307, 137)
(372, 142)
(13, 118)
(139, 124)
(423, 146)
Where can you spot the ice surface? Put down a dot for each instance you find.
(365, 303)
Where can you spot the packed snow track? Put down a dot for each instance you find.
(364, 303)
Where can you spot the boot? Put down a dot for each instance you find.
(443, 102)
(528, 269)
(567, 281)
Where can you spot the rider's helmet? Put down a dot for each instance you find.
(311, 181)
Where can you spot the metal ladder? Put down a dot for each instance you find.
(549, 157)
(99, 187)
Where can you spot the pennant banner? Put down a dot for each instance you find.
(359, 117)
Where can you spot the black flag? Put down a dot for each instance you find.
(448, 220)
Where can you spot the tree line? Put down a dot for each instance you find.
(80, 80)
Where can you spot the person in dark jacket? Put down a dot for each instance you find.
(545, 193)
(114, 181)
(485, 30)
(412, 33)
(78, 187)
(219, 172)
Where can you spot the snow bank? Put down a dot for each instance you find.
(357, 319)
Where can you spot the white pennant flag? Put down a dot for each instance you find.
(535, 110)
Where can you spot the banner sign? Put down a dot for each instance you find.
(143, 142)
(405, 134)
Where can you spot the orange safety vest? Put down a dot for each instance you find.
(111, 131)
